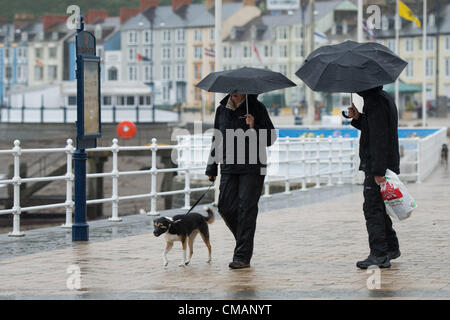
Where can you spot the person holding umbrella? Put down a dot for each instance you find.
(243, 131)
(363, 68)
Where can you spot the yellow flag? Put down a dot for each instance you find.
(406, 13)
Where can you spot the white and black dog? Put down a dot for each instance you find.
(184, 228)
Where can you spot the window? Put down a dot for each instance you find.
(180, 72)
(8, 72)
(107, 100)
(148, 37)
(166, 35)
(38, 73)
(166, 72)
(212, 34)
(447, 43)
(409, 44)
(148, 52)
(166, 52)
(429, 67)
(132, 73)
(130, 100)
(245, 53)
(283, 51)
(225, 52)
(132, 37)
(52, 73)
(282, 33)
(112, 74)
(121, 100)
(430, 44)
(180, 52)
(180, 35)
(198, 35)
(132, 54)
(38, 53)
(52, 52)
(148, 73)
(409, 73)
(72, 101)
(198, 53)
(148, 100)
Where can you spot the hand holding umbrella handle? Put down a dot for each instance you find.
(345, 115)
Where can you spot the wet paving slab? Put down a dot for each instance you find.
(46, 239)
(304, 249)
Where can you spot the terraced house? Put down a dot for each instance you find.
(164, 46)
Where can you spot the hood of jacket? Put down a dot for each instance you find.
(367, 93)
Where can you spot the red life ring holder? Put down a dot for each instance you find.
(126, 129)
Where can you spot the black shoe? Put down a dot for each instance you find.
(381, 262)
(239, 265)
(394, 254)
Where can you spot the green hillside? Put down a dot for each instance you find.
(40, 7)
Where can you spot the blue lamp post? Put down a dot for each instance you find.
(88, 122)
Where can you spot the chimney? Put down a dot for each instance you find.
(96, 16)
(251, 3)
(22, 19)
(50, 20)
(127, 13)
(145, 4)
(177, 4)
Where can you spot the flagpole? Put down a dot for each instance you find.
(360, 20)
(424, 65)
(218, 42)
(397, 50)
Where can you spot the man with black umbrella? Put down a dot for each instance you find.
(378, 151)
(243, 130)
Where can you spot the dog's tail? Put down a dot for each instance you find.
(211, 218)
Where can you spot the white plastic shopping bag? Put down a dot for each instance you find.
(399, 203)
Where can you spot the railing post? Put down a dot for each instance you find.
(115, 183)
(69, 182)
(153, 211)
(137, 114)
(330, 157)
(286, 183)
(419, 179)
(318, 141)
(340, 160)
(187, 189)
(17, 151)
(304, 164)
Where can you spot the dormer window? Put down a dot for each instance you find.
(54, 36)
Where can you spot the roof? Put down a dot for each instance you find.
(193, 15)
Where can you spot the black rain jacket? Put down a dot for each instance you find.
(234, 119)
(378, 123)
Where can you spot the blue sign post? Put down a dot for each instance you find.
(88, 122)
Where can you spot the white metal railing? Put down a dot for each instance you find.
(312, 161)
(429, 153)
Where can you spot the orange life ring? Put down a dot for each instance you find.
(126, 129)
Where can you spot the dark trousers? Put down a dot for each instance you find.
(238, 206)
(382, 237)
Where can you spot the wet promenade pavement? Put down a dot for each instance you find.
(306, 246)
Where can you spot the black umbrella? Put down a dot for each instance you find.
(350, 67)
(245, 81)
